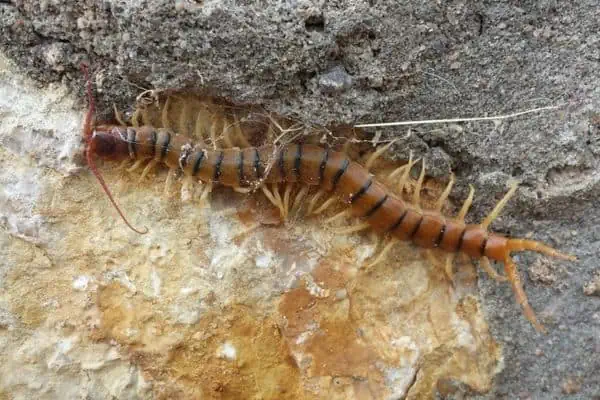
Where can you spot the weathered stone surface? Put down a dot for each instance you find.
(84, 301)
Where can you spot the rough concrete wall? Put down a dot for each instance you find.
(342, 62)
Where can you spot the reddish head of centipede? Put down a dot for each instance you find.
(101, 142)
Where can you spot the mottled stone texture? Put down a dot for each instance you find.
(89, 308)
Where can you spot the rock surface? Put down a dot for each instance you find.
(88, 308)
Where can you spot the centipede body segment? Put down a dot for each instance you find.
(332, 172)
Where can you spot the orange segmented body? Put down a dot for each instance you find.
(331, 171)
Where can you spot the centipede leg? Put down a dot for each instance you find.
(487, 267)
(325, 205)
(376, 154)
(298, 200)
(213, 132)
(498, 209)
(466, 205)
(274, 197)
(405, 174)
(146, 170)
(205, 191)
(341, 214)
(136, 165)
(239, 133)
(118, 115)
(169, 181)
(122, 166)
(164, 115)
(440, 202)
(145, 117)
(135, 118)
(313, 201)
(416, 200)
(352, 229)
(386, 249)
(286, 199)
(510, 268)
(449, 266)
(187, 189)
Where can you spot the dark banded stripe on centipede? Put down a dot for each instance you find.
(483, 246)
(377, 205)
(322, 166)
(240, 162)
(281, 162)
(164, 147)
(440, 236)
(339, 173)
(398, 222)
(198, 163)
(416, 228)
(298, 161)
(460, 240)
(361, 191)
(153, 139)
(257, 168)
(218, 164)
(131, 142)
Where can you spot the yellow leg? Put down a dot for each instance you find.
(487, 267)
(119, 116)
(298, 199)
(498, 209)
(199, 130)
(136, 165)
(226, 137)
(286, 199)
(122, 166)
(405, 174)
(275, 198)
(206, 190)
(373, 157)
(416, 200)
(239, 133)
(325, 205)
(386, 249)
(337, 216)
(169, 181)
(352, 229)
(135, 119)
(187, 189)
(146, 170)
(145, 117)
(440, 203)
(466, 205)
(397, 171)
(242, 190)
(449, 267)
(164, 115)
(346, 146)
(213, 131)
(185, 127)
(313, 201)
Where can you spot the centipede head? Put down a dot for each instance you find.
(101, 142)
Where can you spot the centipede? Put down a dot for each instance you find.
(335, 176)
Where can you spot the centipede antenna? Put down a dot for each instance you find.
(87, 126)
(96, 173)
(87, 134)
